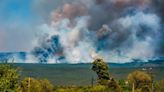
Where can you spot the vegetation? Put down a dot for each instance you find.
(159, 86)
(137, 81)
(8, 78)
(34, 85)
(101, 68)
(140, 80)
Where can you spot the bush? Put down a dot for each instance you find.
(123, 84)
(139, 79)
(113, 85)
(159, 86)
(8, 78)
(30, 85)
(100, 88)
(33, 85)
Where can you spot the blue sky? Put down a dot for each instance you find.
(15, 9)
(16, 18)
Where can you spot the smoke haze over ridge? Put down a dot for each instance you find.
(77, 31)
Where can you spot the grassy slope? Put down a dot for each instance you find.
(79, 74)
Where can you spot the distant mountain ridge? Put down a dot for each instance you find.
(9, 56)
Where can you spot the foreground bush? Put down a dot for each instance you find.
(140, 81)
(159, 86)
(33, 85)
(8, 78)
(113, 85)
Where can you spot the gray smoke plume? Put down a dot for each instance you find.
(117, 30)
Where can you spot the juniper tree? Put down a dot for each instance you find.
(101, 68)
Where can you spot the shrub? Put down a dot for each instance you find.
(159, 86)
(139, 79)
(33, 85)
(8, 78)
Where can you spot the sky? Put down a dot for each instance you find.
(79, 30)
(16, 20)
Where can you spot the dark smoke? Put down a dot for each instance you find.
(49, 48)
(118, 30)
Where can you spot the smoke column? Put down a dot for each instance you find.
(118, 30)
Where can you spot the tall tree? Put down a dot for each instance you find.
(101, 68)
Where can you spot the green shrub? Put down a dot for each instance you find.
(159, 86)
(113, 85)
(139, 79)
(46, 86)
(8, 78)
(33, 85)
